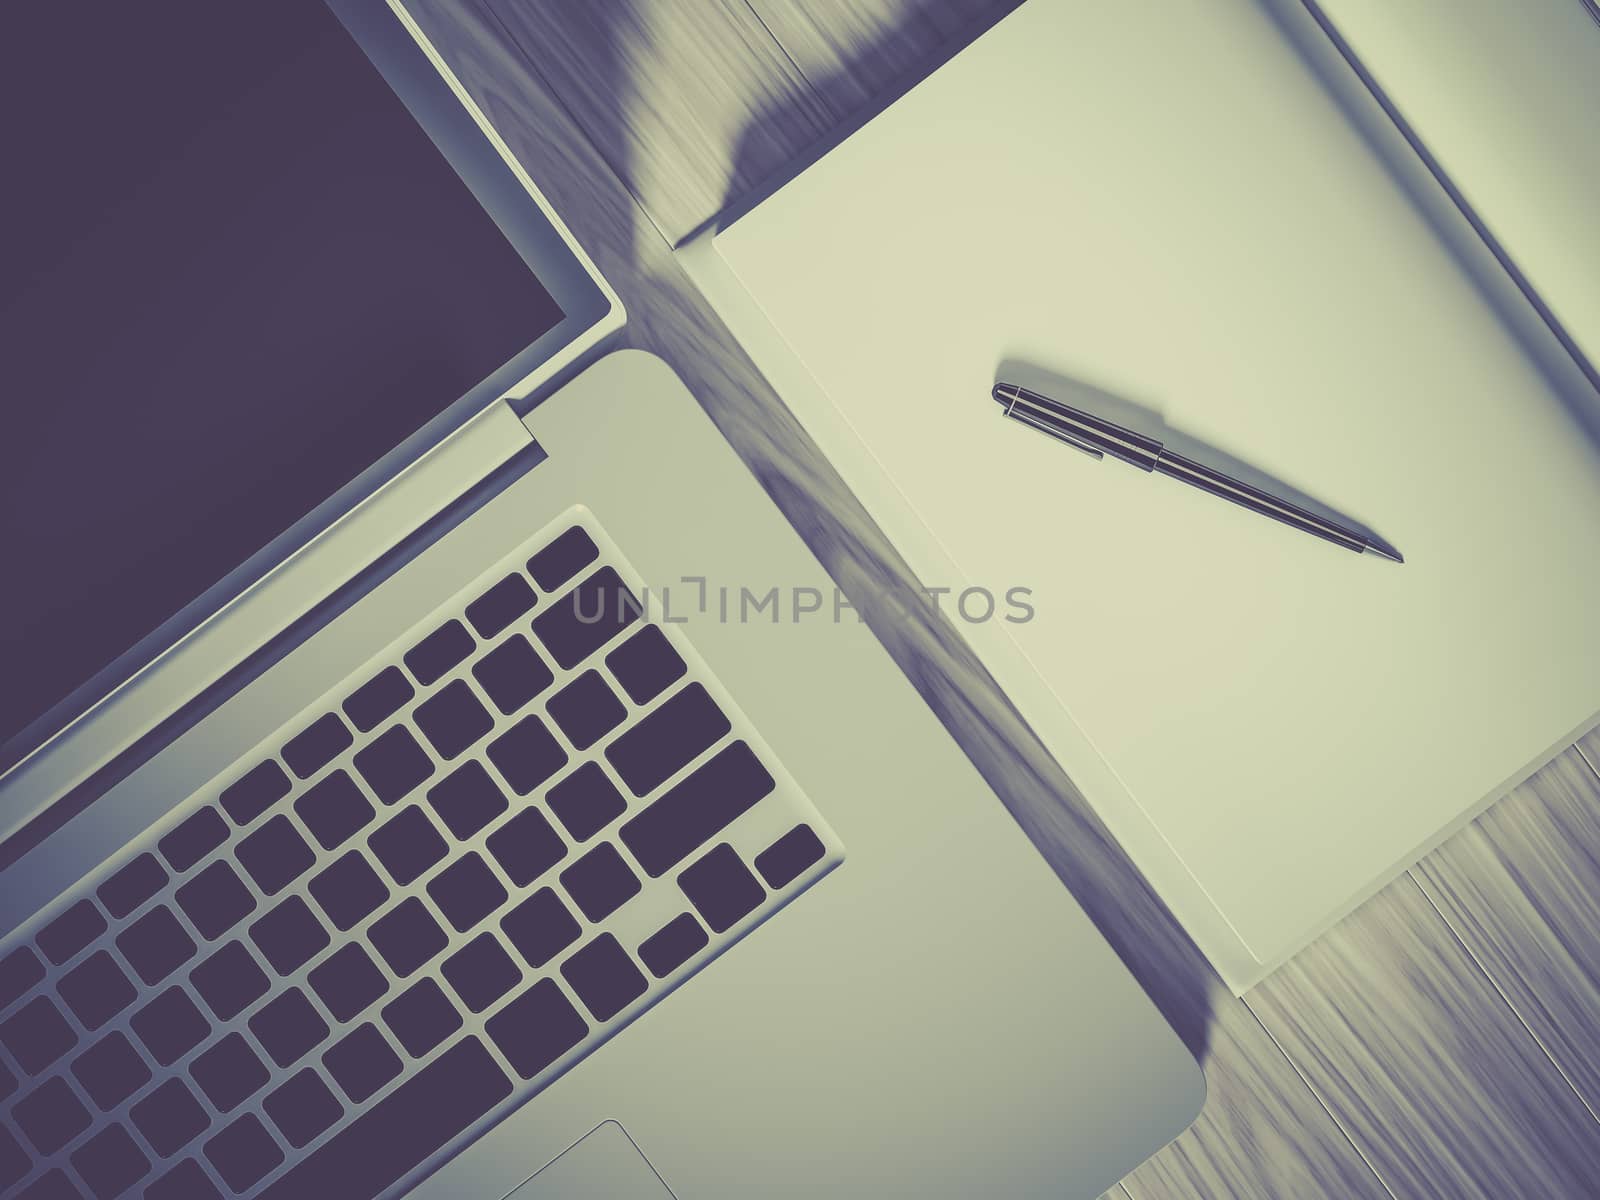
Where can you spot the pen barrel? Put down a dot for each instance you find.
(1083, 429)
(1198, 475)
(1052, 428)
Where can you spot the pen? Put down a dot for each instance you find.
(1098, 437)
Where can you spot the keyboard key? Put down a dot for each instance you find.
(407, 937)
(512, 674)
(536, 1028)
(431, 658)
(187, 1181)
(407, 846)
(349, 890)
(393, 765)
(586, 618)
(362, 1062)
(604, 977)
(600, 882)
(156, 945)
(563, 558)
(481, 972)
(230, 981)
(257, 790)
(540, 927)
(317, 745)
(288, 1027)
(453, 719)
(527, 754)
(132, 885)
(467, 799)
(196, 837)
(111, 1070)
(215, 900)
(586, 801)
(71, 931)
(37, 1034)
(50, 1116)
(51, 1186)
(674, 944)
(334, 809)
(646, 664)
(303, 1108)
(400, 1132)
(20, 971)
(347, 981)
(170, 1026)
(244, 1153)
(721, 888)
(275, 855)
(787, 858)
(526, 846)
(378, 699)
(466, 892)
(586, 709)
(668, 739)
(170, 1118)
(110, 1163)
(421, 1017)
(96, 990)
(696, 809)
(15, 1162)
(500, 605)
(229, 1073)
(289, 936)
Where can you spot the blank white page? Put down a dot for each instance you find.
(1159, 199)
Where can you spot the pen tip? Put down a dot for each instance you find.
(1004, 393)
(1388, 552)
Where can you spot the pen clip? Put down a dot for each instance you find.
(1027, 418)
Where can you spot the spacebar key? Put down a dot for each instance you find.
(401, 1131)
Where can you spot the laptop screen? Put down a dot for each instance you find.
(234, 273)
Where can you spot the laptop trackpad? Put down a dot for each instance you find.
(605, 1165)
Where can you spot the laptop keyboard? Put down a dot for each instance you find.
(525, 823)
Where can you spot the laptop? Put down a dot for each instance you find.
(425, 772)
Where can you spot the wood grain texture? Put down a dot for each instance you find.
(689, 102)
(857, 53)
(1408, 1045)
(1520, 887)
(1589, 747)
(1263, 1134)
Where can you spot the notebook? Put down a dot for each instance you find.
(1166, 205)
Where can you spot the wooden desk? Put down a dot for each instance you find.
(1439, 1042)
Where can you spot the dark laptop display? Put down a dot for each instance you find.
(234, 272)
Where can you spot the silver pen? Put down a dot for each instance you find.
(1098, 437)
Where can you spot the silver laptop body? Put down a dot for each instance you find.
(536, 814)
